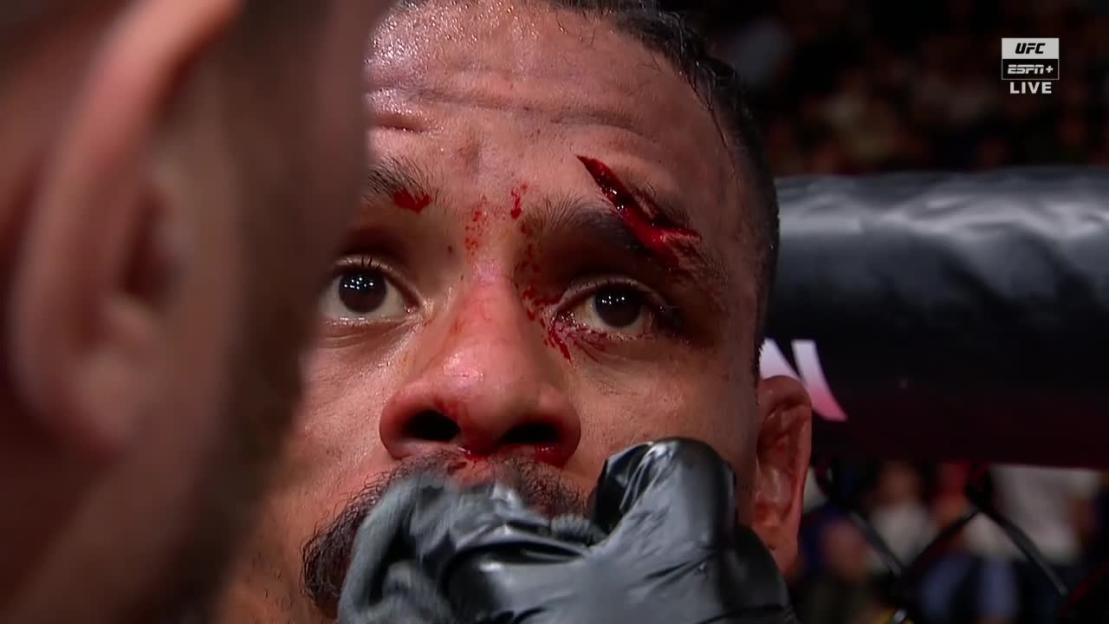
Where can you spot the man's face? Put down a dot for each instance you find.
(551, 264)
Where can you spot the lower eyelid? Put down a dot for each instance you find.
(663, 318)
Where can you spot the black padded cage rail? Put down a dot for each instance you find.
(949, 315)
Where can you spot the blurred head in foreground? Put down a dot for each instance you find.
(175, 176)
(564, 249)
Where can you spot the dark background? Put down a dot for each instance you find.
(856, 86)
(863, 86)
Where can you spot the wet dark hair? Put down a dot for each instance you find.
(722, 91)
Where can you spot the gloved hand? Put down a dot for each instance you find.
(418, 530)
(663, 547)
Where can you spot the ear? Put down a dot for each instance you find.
(86, 315)
(782, 462)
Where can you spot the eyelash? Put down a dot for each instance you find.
(665, 317)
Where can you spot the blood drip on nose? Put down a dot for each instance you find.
(475, 227)
(654, 232)
(414, 203)
(533, 300)
(517, 201)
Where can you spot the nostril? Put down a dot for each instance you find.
(532, 434)
(431, 426)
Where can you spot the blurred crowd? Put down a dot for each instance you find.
(856, 86)
(979, 576)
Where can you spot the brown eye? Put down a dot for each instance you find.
(614, 309)
(362, 293)
(618, 307)
(362, 290)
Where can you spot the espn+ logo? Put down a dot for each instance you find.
(1030, 65)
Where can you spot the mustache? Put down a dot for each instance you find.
(327, 554)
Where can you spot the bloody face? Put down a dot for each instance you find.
(550, 265)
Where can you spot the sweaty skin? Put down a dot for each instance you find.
(532, 311)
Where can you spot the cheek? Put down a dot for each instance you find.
(332, 453)
(652, 404)
(335, 442)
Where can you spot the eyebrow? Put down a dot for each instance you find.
(572, 213)
(391, 176)
(596, 219)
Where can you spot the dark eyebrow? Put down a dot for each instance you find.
(389, 176)
(662, 210)
(595, 219)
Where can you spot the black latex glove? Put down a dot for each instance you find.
(418, 529)
(663, 547)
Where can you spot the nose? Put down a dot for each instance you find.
(487, 387)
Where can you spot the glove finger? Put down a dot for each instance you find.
(474, 510)
(397, 610)
(476, 517)
(385, 532)
(406, 580)
(576, 529)
(676, 487)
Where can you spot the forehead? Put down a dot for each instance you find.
(573, 73)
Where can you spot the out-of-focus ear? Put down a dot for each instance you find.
(782, 456)
(97, 263)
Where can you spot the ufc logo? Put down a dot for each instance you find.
(1024, 47)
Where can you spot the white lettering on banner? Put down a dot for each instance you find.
(1030, 87)
(1039, 48)
(772, 362)
(1030, 64)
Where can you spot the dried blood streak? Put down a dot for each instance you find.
(408, 201)
(475, 228)
(532, 301)
(557, 341)
(517, 195)
(654, 232)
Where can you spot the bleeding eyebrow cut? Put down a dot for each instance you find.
(401, 181)
(586, 219)
(659, 228)
(654, 230)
